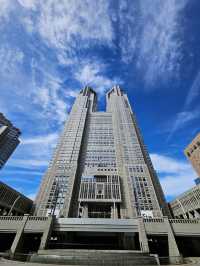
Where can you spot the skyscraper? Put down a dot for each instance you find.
(101, 167)
(9, 139)
(192, 152)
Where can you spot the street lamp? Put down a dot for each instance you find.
(13, 205)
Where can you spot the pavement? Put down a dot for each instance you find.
(5, 262)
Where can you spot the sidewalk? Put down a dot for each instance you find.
(5, 262)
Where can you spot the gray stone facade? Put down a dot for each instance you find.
(101, 146)
(187, 205)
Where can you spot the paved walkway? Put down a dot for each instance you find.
(5, 262)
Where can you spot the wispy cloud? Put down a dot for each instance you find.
(152, 36)
(33, 153)
(10, 60)
(47, 93)
(6, 7)
(194, 91)
(15, 171)
(45, 140)
(182, 119)
(93, 74)
(61, 23)
(177, 175)
(27, 163)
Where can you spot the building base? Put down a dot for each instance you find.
(48, 237)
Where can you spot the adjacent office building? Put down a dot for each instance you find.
(101, 167)
(9, 139)
(187, 205)
(13, 202)
(192, 152)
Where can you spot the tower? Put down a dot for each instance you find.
(101, 167)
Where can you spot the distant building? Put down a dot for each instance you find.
(187, 205)
(13, 202)
(192, 152)
(9, 139)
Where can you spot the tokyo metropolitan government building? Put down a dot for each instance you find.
(101, 167)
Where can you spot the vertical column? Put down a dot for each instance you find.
(18, 238)
(190, 215)
(47, 232)
(114, 214)
(85, 211)
(174, 254)
(196, 214)
(143, 236)
(129, 241)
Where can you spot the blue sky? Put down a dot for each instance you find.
(50, 49)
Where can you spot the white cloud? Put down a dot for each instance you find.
(194, 91)
(10, 60)
(182, 119)
(34, 152)
(27, 163)
(22, 172)
(177, 175)
(6, 7)
(165, 164)
(152, 36)
(29, 4)
(92, 74)
(45, 140)
(71, 93)
(46, 93)
(60, 23)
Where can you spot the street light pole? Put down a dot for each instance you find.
(13, 205)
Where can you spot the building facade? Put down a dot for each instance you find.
(13, 202)
(9, 139)
(101, 167)
(187, 205)
(192, 152)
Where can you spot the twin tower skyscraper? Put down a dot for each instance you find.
(101, 167)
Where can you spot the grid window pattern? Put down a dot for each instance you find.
(142, 193)
(100, 151)
(100, 188)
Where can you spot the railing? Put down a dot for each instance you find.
(37, 218)
(184, 221)
(174, 221)
(153, 220)
(11, 218)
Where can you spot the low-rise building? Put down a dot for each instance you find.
(13, 202)
(187, 205)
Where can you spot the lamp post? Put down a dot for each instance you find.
(13, 205)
